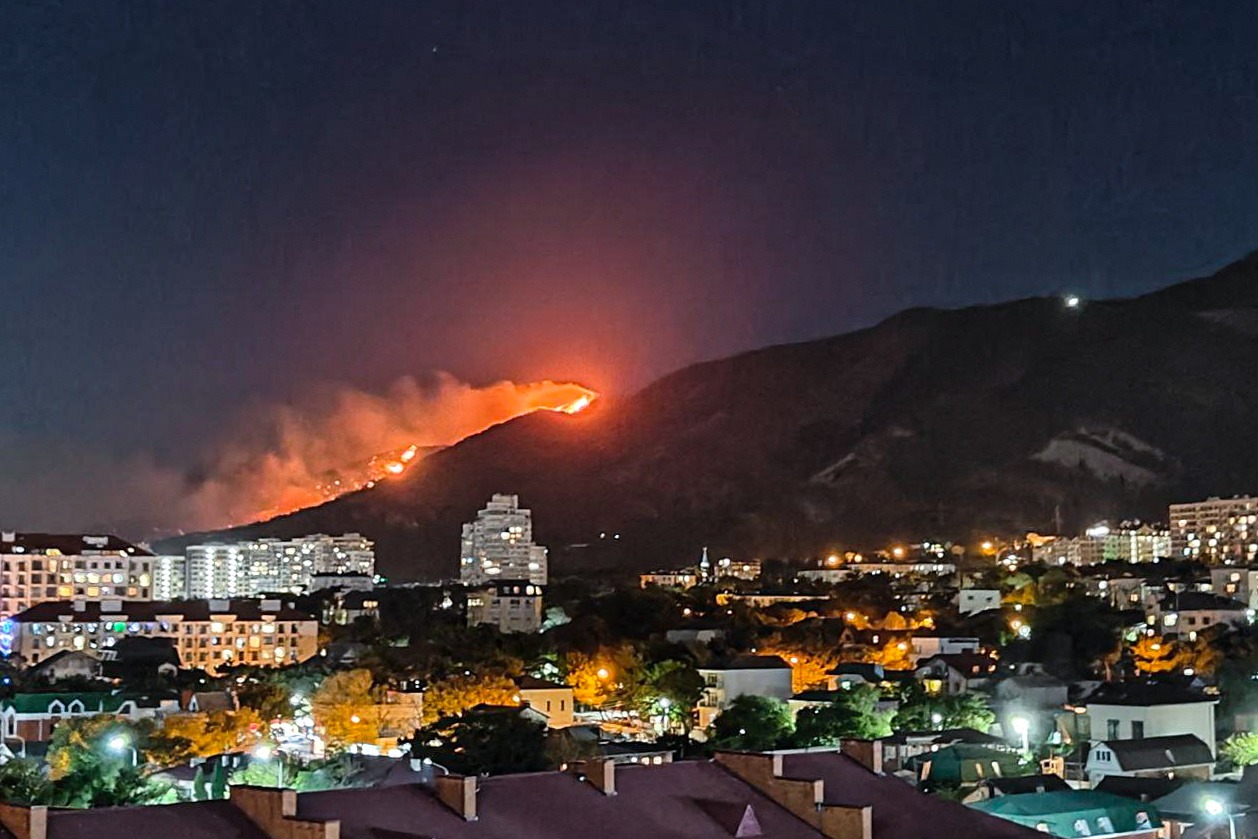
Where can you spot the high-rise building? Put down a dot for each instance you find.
(1129, 542)
(170, 577)
(510, 605)
(41, 567)
(1218, 530)
(261, 566)
(498, 545)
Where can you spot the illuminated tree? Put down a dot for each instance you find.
(24, 782)
(752, 723)
(1154, 654)
(600, 680)
(205, 735)
(453, 695)
(491, 742)
(345, 707)
(923, 711)
(853, 713)
(1241, 749)
(809, 668)
(91, 764)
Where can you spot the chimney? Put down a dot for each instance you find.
(25, 822)
(78, 605)
(459, 794)
(599, 771)
(867, 753)
(8, 536)
(274, 811)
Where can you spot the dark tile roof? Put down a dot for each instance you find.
(198, 820)
(1145, 692)
(1160, 752)
(900, 811)
(143, 610)
(1139, 789)
(1197, 601)
(972, 665)
(670, 800)
(749, 662)
(70, 544)
(1028, 783)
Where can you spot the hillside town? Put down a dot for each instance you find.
(1104, 684)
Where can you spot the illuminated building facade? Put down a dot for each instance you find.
(262, 566)
(208, 634)
(1221, 531)
(41, 567)
(498, 545)
(1129, 542)
(509, 605)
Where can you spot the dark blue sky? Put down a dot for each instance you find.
(209, 205)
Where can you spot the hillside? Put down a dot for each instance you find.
(933, 423)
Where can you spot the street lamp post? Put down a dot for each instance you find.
(265, 753)
(1215, 808)
(120, 743)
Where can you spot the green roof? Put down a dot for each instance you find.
(37, 703)
(968, 763)
(1073, 813)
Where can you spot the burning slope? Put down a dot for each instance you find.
(344, 440)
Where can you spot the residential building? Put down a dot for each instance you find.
(1069, 812)
(836, 572)
(956, 672)
(899, 750)
(274, 566)
(965, 763)
(42, 567)
(1032, 688)
(683, 579)
(761, 600)
(926, 645)
(1131, 542)
(509, 605)
(1193, 611)
(972, 601)
(791, 796)
(31, 717)
(207, 633)
(744, 675)
(1140, 708)
(498, 544)
(170, 577)
(1237, 583)
(1218, 531)
(739, 569)
(1172, 756)
(67, 664)
(345, 607)
(324, 580)
(550, 698)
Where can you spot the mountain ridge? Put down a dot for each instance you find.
(941, 423)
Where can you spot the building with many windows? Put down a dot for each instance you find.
(207, 633)
(1131, 542)
(1222, 531)
(510, 605)
(265, 566)
(498, 544)
(40, 567)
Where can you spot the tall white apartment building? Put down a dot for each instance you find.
(170, 577)
(41, 567)
(1217, 530)
(498, 545)
(260, 566)
(1129, 542)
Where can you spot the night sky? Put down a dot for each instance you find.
(211, 206)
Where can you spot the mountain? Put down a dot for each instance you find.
(1028, 415)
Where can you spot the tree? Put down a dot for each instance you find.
(493, 742)
(752, 723)
(678, 682)
(854, 713)
(271, 699)
(205, 735)
(24, 782)
(453, 695)
(90, 767)
(922, 711)
(345, 707)
(1241, 749)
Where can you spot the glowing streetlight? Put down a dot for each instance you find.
(603, 673)
(120, 743)
(936, 719)
(1215, 808)
(1071, 301)
(1023, 727)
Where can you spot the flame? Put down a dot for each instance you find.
(577, 405)
(395, 468)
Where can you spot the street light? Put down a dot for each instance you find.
(1023, 726)
(120, 743)
(936, 719)
(1215, 808)
(265, 753)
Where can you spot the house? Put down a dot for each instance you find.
(550, 698)
(1192, 611)
(900, 748)
(699, 633)
(1173, 756)
(137, 659)
(744, 675)
(845, 674)
(1032, 688)
(684, 579)
(1182, 807)
(1017, 785)
(1076, 813)
(31, 717)
(955, 673)
(1236, 583)
(964, 763)
(926, 644)
(972, 601)
(509, 605)
(1138, 708)
(346, 606)
(63, 665)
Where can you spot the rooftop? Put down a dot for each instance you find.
(1146, 692)
(1160, 752)
(1200, 601)
(69, 544)
(750, 662)
(144, 610)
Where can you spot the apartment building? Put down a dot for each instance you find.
(266, 566)
(509, 605)
(498, 544)
(41, 567)
(1221, 531)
